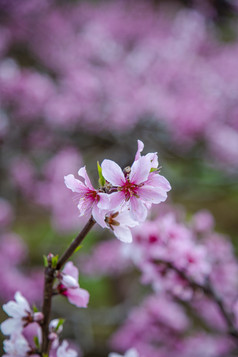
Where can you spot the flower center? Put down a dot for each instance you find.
(129, 189)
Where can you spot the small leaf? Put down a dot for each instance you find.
(60, 323)
(101, 179)
(153, 169)
(78, 248)
(45, 261)
(54, 261)
(35, 308)
(37, 343)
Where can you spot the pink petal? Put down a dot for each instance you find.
(99, 216)
(153, 157)
(140, 170)
(139, 150)
(156, 180)
(78, 297)
(117, 199)
(138, 209)
(72, 270)
(73, 184)
(104, 200)
(123, 234)
(85, 206)
(83, 173)
(152, 194)
(112, 173)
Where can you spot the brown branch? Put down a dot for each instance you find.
(67, 254)
(210, 292)
(49, 281)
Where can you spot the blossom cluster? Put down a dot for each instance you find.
(186, 88)
(24, 324)
(180, 261)
(123, 200)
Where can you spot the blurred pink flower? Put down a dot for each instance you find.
(65, 351)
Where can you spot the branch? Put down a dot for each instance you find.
(49, 281)
(210, 292)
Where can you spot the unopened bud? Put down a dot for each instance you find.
(38, 316)
(53, 336)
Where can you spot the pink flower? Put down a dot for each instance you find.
(64, 351)
(69, 286)
(90, 200)
(118, 222)
(137, 187)
(16, 346)
(20, 315)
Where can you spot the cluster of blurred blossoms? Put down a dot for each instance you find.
(124, 196)
(191, 306)
(57, 86)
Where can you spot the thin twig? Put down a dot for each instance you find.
(67, 254)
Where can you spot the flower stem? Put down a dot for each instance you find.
(49, 281)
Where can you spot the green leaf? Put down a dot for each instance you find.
(45, 261)
(61, 321)
(78, 248)
(54, 261)
(153, 169)
(37, 343)
(35, 308)
(101, 179)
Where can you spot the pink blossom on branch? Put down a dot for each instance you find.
(20, 315)
(118, 223)
(69, 286)
(90, 200)
(137, 187)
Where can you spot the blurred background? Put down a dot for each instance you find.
(81, 81)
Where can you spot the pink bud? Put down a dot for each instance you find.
(38, 316)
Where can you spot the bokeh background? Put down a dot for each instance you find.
(81, 81)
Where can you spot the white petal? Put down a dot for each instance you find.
(99, 216)
(123, 233)
(22, 302)
(112, 173)
(11, 325)
(69, 282)
(138, 209)
(124, 218)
